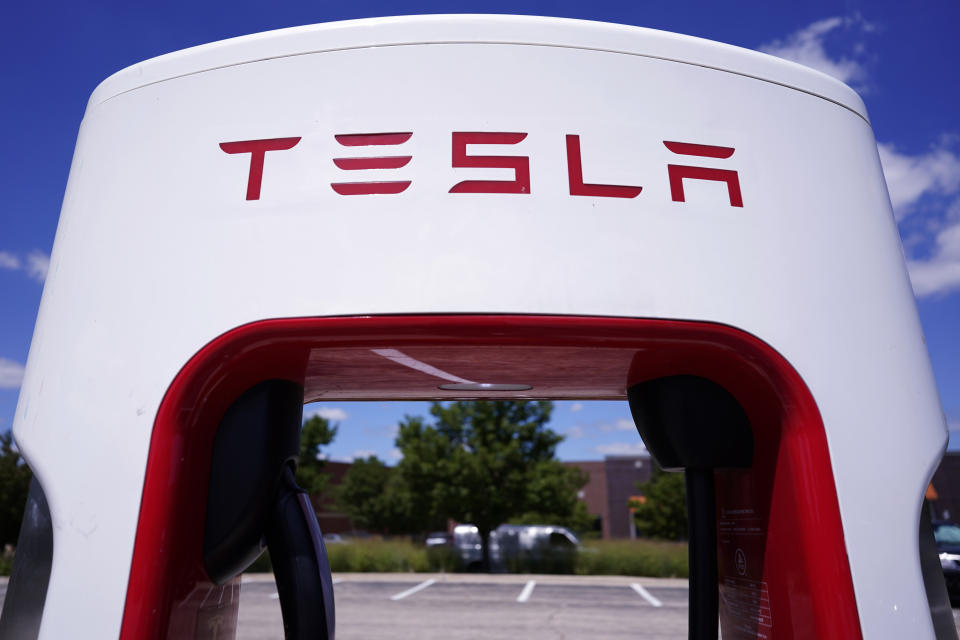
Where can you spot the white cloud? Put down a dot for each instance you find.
(38, 264)
(621, 424)
(576, 406)
(360, 454)
(11, 374)
(389, 431)
(940, 273)
(575, 431)
(910, 177)
(9, 261)
(622, 449)
(335, 414)
(394, 455)
(35, 265)
(928, 181)
(593, 429)
(807, 46)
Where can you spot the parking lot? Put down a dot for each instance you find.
(427, 607)
(467, 606)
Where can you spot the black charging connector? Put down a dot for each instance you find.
(694, 424)
(300, 565)
(253, 501)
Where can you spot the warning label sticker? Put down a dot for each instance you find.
(745, 610)
(740, 522)
(748, 604)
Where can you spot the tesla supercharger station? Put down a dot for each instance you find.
(474, 207)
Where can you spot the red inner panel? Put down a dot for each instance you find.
(417, 371)
(783, 566)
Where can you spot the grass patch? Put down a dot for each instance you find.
(378, 556)
(598, 557)
(653, 558)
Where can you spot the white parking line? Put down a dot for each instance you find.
(413, 590)
(337, 580)
(527, 590)
(646, 595)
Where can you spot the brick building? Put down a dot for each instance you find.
(945, 502)
(612, 481)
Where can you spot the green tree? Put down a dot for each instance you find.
(578, 520)
(15, 478)
(376, 498)
(317, 432)
(484, 463)
(663, 513)
(553, 492)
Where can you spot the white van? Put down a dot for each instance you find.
(520, 548)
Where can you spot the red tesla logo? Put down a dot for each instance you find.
(258, 150)
(678, 172)
(379, 162)
(519, 164)
(460, 158)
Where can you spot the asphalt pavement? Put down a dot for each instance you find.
(472, 606)
(434, 607)
(468, 606)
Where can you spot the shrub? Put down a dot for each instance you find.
(444, 559)
(633, 558)
(378, 556)
(663, 512)
(598, 557)
(544, 560)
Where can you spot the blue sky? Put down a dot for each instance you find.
(900, 56)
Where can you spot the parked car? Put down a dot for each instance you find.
(947, 535)
(518, 548)
(438, 539)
